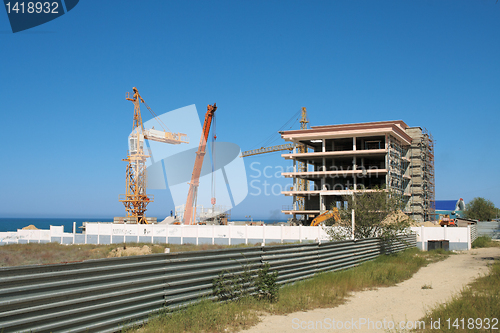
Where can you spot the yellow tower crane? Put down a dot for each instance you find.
(302, 184)
(136, 199)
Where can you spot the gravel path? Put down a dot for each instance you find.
(403, 304)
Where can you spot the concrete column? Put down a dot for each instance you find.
(322, 203)
(355, 177)
(353, 223)
(323, 148)
(324, 164)
(354, 143)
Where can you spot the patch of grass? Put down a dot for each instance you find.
(484, 241)
(205, 316)
(322, 291)
(52, 253)
(49, 253)
(481, 299)
(427, 286)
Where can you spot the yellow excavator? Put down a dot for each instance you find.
(334, 212)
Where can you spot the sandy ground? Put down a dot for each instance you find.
(402, 304)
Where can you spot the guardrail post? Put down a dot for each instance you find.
(281, 231)
(422, 239)
(246, 234)
(213, 234)
(138, 227)
(166, 233)
(197, 227)
(469, 238)
(182, 233)
(264, 234)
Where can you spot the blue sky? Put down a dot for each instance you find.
(65, 120)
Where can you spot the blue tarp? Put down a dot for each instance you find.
(446, 204)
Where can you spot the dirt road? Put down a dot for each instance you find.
(401, 305)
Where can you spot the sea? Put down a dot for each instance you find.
(14, 223)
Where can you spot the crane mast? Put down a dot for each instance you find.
(190, 207)
(302, 184)
(136, 200)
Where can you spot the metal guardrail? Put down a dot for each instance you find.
(491, 229)
(104, 295)
(473, 233)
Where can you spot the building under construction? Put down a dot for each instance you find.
(330, 162)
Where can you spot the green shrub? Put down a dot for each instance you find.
(481, 241)
(236, 285)
(266, 284)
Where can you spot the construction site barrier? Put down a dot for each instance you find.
(105, 295)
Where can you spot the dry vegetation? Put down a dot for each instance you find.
(51, 253)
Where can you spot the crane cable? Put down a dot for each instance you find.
(270, 139)
(214, 137)
(162, 124)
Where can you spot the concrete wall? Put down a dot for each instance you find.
(459, 238)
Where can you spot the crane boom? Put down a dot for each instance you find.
(190, 207)
(263, 150)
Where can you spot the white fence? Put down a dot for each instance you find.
(109, 233)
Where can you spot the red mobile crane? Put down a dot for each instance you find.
(190, 208)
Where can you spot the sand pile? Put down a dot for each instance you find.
(129, 251)
(397, 217)
(429, 224)
(30, 227)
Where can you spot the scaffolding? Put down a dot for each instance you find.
(397, 167)
(429, 176)
(422, 187)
